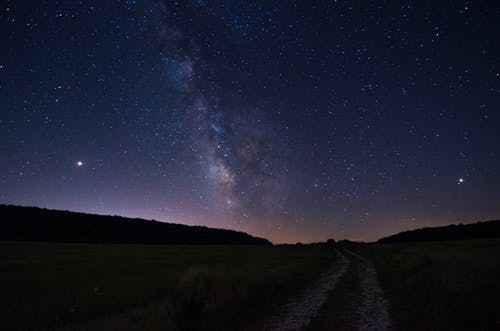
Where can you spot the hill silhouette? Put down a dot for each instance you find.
(479, 230)
(37, 224)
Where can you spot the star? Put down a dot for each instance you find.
(79, 164)
(461, 181)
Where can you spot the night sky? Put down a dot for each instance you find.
(292, 120)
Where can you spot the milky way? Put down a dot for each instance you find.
(240, 151)
(292, 120)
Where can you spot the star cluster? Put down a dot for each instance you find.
(292, 120)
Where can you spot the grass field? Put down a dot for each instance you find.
(50, 286)
(429, 286)
(452, 285)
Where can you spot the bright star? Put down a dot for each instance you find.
(79, 163)
(461, 181)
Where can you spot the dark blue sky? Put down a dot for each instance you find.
(293, 120)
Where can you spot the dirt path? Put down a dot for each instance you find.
(371, 313)
(299, 312)
(362, 297)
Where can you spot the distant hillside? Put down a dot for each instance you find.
(36, 224)
(488, 229)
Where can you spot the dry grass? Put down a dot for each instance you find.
(441, 285)
(91, 287)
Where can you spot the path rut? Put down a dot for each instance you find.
(372, 313)
(299, 312)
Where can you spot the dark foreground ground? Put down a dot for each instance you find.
(50, 286)
(411, 286)
(451, 285)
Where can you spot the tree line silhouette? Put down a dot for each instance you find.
(37, 224)
(479, 230)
